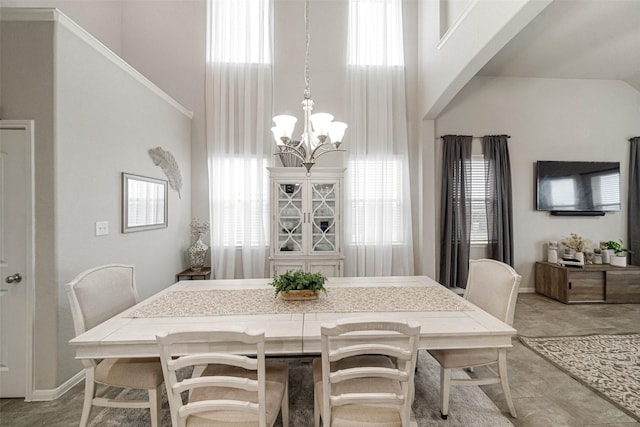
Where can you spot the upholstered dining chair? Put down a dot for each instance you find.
(224, 388)
(492, 286)
(365, 379)
(94, 296)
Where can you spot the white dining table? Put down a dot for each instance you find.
(293, 328)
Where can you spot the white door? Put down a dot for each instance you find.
(16, 273)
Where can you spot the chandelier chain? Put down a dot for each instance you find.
(307, 90)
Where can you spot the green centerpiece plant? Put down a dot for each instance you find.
(297, 282)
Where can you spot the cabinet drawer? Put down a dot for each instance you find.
(585, 286)
(623, 286)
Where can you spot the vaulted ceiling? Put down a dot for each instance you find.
(577, 39)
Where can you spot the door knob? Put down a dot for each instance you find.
(16, 278)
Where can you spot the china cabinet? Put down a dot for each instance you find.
(306, 220)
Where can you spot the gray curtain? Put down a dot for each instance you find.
(455, 219)
(498, 199)
(634, 201)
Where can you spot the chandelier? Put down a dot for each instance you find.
(321, 135)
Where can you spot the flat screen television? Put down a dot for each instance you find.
(573, 188)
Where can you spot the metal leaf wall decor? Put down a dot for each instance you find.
(169, 166)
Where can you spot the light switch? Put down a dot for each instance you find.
(102, 228)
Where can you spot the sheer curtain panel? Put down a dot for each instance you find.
(498, 200)
(239, 86)
(378, 231)
(455, 211)
(634, 201)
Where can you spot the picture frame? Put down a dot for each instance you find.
(145, 203)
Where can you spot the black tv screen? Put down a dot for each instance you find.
(578, 186)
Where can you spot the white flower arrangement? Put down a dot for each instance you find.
(198, 228)
(576, 243)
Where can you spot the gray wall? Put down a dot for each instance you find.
(94, 119)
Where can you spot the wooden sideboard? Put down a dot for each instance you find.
(591, 283)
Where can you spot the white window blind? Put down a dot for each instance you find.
(242, 206)
(239, 31)
(376, 187)
(478, 232)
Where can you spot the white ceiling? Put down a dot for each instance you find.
(578, 39)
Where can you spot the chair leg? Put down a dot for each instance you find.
(316, 410)
(504, 380)
(284, 408)
(155, 405)
(89, 394)
(445, 387)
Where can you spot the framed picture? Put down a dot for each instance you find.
(144, 203)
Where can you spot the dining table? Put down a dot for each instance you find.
(447, 320)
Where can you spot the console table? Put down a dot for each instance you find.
(591, 283)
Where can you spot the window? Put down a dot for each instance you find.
(242, 206)
(375, 33)
(376, 189)
(239, 31)
(478, 232)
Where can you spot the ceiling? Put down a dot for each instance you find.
(577, 39)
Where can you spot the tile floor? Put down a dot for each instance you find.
(543, 395)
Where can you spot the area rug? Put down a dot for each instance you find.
(469, 406)
(609, 364)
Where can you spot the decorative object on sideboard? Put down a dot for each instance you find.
(606, 253)
(619, 258)
(552, 251)
(320, 135)
(198, 250)
(169, 166)
(575, 246)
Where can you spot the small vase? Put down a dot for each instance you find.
(579, 256)
(619, 261)
(552, 256)
(606, 256)
(197, 253)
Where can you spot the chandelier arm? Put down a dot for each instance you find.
(289, 149)
(324, 151)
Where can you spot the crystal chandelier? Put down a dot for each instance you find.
(321, 134)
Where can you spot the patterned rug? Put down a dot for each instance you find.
(609, 364)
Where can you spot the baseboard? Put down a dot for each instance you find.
(53, 394)
(527, 290)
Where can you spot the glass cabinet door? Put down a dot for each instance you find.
(289, 217)
(323, 217)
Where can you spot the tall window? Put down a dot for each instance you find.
(375, 33)
(378, 232)
(238, 115)
(478, 232)
(239, 31)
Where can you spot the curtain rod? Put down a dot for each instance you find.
(477, 137)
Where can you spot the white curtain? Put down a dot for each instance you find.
(378, 230)
(238, 121)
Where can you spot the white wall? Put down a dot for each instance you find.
(549, 119)
(481, 29)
